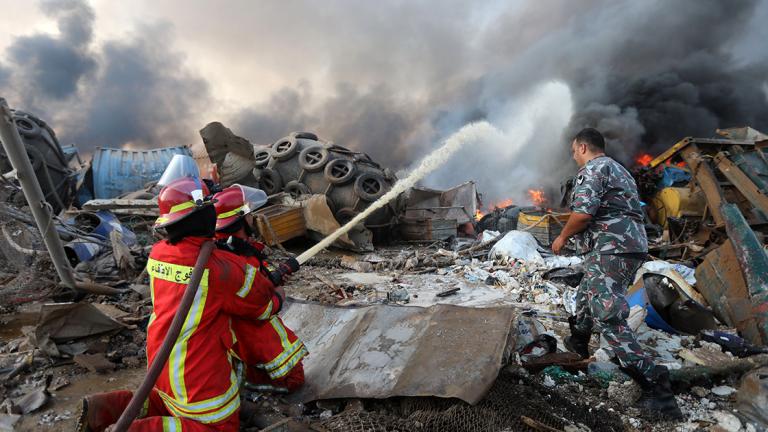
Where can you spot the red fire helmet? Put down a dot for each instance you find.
(236, 201)
(180, 198)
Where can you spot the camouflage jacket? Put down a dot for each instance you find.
(605, 189)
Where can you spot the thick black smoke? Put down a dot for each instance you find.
(132, 92)
(680, 79)
(645, 73)
(394, 79)
(143, 95)
(47, 68)
(371, 120)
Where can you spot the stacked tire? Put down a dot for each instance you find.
(301, 163)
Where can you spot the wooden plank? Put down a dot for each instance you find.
(706, 180)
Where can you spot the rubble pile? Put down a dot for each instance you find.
(698, 306)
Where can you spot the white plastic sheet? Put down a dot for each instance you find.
(517, 245)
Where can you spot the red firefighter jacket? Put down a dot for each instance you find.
(198, 381)
(267, 345)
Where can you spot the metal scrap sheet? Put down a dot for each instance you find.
(382, 351)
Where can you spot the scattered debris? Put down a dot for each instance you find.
(441, 304)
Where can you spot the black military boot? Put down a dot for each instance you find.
(578, 341)
(657, 399)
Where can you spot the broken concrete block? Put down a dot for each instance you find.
(32, 402)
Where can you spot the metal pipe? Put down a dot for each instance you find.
(161, 357)
(17, 154)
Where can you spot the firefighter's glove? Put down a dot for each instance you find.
(289, 266)
(277, 274)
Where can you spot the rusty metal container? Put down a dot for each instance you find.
(544, 225)
(279, 223)
(427, 229)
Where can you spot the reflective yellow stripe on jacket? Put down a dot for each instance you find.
(291, 355)
(210, 410)
(171, 424)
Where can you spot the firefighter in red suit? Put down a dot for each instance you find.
(271, 351)
(198, 388)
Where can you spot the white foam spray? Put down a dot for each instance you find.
(469, 134)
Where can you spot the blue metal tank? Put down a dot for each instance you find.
(118, 171)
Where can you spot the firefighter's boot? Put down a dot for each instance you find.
(578, 341)
(102, 409)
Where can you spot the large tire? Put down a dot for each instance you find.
(340, 171)
(313, 159)
(262, 157)
(296, 188)
(370, 186)
(345, 215)
(305, 135)
(27, 127)
(270, 181)
(285, 148)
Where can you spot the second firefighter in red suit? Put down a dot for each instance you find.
(198, 388)
(272, 352)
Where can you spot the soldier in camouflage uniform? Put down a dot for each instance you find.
(607, 222)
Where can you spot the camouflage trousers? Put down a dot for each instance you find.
(601, 302)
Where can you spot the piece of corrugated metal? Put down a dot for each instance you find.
(382, 351)
(118, 171)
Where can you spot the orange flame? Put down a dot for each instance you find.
(499, 205)
(503, 203)
(537, 196)
(644, 159)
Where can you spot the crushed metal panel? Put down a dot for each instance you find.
(383, 351)
(458, 203)
(720, 281)
(754, 264)
(428, 229)
(703, 143)
(744, 133)
(742, 182)
(754, 164)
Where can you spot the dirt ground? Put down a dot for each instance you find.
(345, 278)
(65, 403)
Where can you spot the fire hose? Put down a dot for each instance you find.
(140, 395)
(471, 132)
